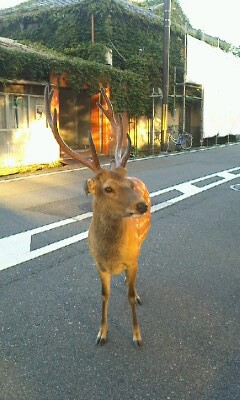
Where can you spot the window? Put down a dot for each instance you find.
(36, 108)
(3, 119)
(18, 108)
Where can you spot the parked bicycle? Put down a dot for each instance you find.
(181, 139)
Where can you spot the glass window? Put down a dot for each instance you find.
(18, 109)
(36, 108)
(3, 122)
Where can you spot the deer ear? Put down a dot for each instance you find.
(90, 186)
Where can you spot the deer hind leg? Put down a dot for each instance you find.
(102, 334)
(132, 296)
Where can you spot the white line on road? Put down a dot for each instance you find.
(16, 249)
(188, 189)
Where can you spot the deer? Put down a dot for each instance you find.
(120, 213)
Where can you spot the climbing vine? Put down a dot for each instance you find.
(64, 35)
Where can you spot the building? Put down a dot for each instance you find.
(24, 136)
(112, 43)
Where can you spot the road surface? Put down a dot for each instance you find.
(189, 278)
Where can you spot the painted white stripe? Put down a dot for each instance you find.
(16, 249)
(187, 189)
(59, 224)
(22, 253)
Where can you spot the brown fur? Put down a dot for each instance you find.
(121, 212)
(116, 233)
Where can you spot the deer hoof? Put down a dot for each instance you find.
(138, 343)
(137, 339)
(139, 301)
(101, 340)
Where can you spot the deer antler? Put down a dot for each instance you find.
(93, 164)
(117, 129)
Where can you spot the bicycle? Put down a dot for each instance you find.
(181, 139)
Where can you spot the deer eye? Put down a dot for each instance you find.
(108, 189)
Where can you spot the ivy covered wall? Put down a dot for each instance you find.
(135, 37)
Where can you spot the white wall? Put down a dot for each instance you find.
(219, 73)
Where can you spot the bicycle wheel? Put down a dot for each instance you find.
(186, 141)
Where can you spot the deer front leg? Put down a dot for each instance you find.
(106, 280)
(131, 274)
(137, 297)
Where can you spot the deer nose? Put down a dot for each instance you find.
(142, 207)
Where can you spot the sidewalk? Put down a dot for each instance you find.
(66, 160)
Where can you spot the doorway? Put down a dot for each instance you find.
(75, 118)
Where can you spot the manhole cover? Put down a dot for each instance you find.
(236, 187)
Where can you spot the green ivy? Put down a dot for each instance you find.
(135, 38)
(37, 65)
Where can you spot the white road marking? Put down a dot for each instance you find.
(187, 189)
(236, 187)
(16, 249)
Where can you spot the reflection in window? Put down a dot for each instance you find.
(3, 122)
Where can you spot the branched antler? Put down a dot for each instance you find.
(117, 129)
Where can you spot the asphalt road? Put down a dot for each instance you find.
(189, 277)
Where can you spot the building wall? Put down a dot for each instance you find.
(25, 139)
(23, 131)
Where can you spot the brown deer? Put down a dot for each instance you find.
(121, 214)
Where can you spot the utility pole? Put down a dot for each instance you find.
(154, 96)
(93, 28)
(184, 82)
(166, 47)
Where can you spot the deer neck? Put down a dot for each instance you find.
(106, 231)
(107, 225)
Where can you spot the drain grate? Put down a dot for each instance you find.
(236, 187)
